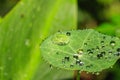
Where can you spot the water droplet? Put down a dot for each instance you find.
(118, 49)
(81, 63)
(99, 55)
(68, 33)
(85, 44)
(75, 56)
(110, 52)
(102, 46)
(102, 42)
(88, 50)
(71, 65)
(97, 48)
(117, 54)
(78, 61)
(60, 39)
(67, 58)
(80, 51)
(103, 53)
(27, 42)
(112, 43)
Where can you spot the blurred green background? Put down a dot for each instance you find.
(16, 17)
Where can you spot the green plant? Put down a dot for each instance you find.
(82, 50)
(24, 28)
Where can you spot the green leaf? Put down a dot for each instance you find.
(84, 50)
(22, 30)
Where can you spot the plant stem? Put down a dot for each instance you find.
(78, 75)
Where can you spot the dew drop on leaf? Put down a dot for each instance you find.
(67, 58)
(81, 63)
(68, 33)
(85, 44)
(118, 49)
(77, 62)
(112, 43)
(80, 51)
(71, 65)
(60, 39)
(75, 56)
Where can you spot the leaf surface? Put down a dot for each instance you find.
(84, 50)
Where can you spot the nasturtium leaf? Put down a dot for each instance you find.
(84, 50)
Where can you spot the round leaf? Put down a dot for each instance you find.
(84, 50)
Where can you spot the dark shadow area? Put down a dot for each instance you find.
(6, 6)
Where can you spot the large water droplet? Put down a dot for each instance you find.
(60, 39)
(112, 43)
